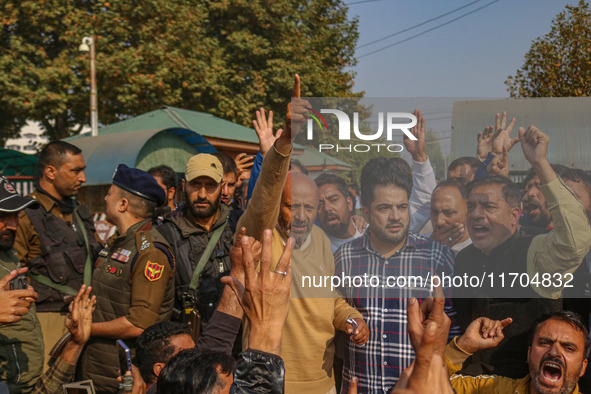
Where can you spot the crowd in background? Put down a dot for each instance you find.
(208, 295)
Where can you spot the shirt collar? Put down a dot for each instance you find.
(362, 242)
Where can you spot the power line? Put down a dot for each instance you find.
(418, 25)
(362, 1)
(428, 30)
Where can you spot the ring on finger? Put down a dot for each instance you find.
(450, 239)
(284, 273)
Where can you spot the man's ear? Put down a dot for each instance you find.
(515, 215)
(171, 192)
(122, 205)
(350, 204)
(50, 172)
(157, 368)
(365, 212)
(583, 367)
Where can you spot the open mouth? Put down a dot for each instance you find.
(333, 220)
(551, 372)
(479, 231)
(531, 208)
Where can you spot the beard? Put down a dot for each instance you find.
(201, 213)
(299, 238)
(388, 237)
(568, 382)
(338, 229)
(7, 240)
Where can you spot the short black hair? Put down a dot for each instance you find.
(192, 371)
(577, 175)
(332, 179)
(382, 171)
(572, 318)
(453, 183)
(53, 154)
(353, 185)
(471, 161)
(511, 191)
(299, 165)
(153, 346)
(167, 174)
(228, 164)
(559, 169)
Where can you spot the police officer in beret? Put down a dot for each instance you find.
(133, 277)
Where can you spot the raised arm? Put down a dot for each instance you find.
(263, 207)
(423, 176)
(562, 249)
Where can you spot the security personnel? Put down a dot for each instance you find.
(133, 278)
(201, 238)
(21, 353)
(58, 242)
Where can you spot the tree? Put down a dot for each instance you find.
(226, 58)
(433, 150)
(559, 63)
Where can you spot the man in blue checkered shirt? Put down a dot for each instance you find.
(382, 270)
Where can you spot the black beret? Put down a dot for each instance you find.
(139, 183)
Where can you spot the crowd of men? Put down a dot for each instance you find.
(210, 293)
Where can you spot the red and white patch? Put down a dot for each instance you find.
(8, 187)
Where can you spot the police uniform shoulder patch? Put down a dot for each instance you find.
(142, 241)
(153, 271)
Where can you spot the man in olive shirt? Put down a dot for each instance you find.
(133, 277)
(57, 242)
(21, 348)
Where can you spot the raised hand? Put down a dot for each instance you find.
(243, 163)
(79, 320)
(502, 136)
(430, 310)
(264, 129)
(484, 142)
(14, 304)
(483, 333)
(534, 144)
(427, 373)
(266, 298)
(417, 148)
(499, 165)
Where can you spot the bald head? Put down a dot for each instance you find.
(299, 202)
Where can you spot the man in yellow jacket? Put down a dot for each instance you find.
(557, 356)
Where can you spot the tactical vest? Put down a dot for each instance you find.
(111, 283)
(63, 254)
(187, 252)
(509, 357)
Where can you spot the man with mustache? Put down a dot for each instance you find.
(557, 356)
(536, 217)
(499, 249)
(289, 203)
(387, 250)
(190, 229)
(21, 353)
(335, 210)
(58, 242)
